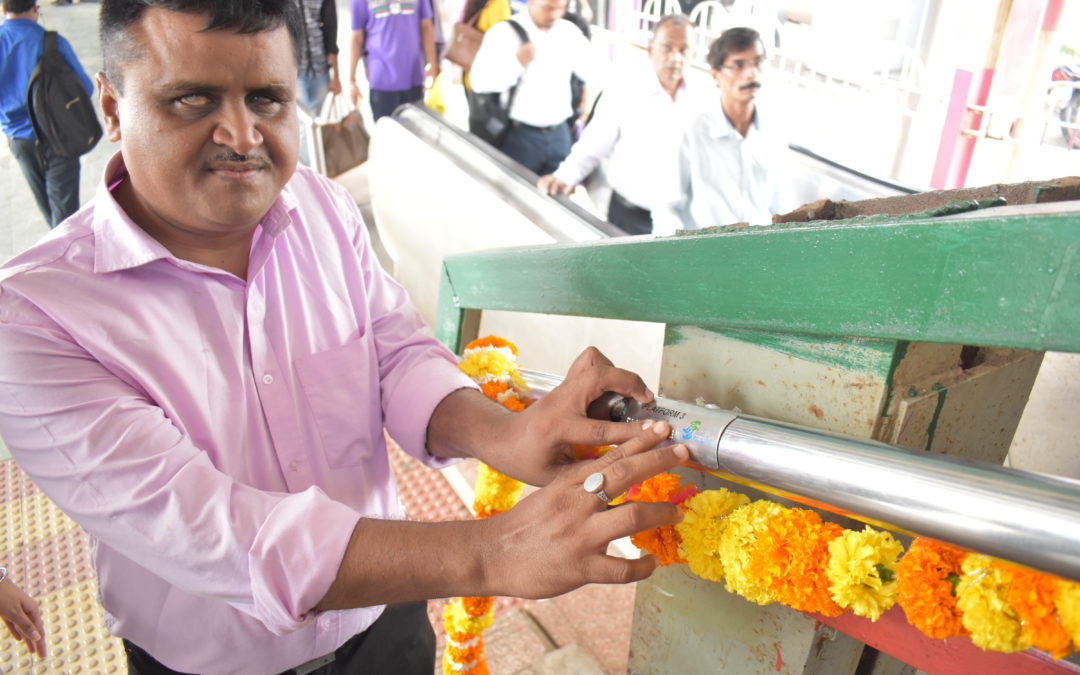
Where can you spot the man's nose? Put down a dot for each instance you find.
(236, 128)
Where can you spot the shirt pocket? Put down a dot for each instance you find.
(341, 387)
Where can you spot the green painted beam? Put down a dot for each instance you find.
(1007, 281)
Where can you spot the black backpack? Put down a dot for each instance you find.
(488, 117)
(61, 112)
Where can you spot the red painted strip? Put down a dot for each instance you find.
(893, 635)
(950, 130)
(1052, 15)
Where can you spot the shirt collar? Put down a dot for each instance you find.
(720, 126)
(121, 244)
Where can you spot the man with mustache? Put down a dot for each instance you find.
(198, 368)
(729, 166)
(637, 127)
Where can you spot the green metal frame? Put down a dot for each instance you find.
(1011, 281)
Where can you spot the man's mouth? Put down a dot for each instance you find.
(235, 167)
(750, 85)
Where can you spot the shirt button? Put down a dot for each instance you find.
(294, 465)
(268, 379)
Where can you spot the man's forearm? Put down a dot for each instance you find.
(392, 561)
(468, 424)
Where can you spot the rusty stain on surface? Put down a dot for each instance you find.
(762, 383)
(817, 412)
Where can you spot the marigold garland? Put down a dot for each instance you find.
(492, 363)
(740, 547)
(795, 545)
(926, 576)
(1031, 594)
(1067, 603)
(766, 552)
(861, 569)
(983, 598)
(704, 521)
(663, 542)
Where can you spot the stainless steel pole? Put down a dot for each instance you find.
(1028, 518)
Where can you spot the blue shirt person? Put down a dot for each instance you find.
(53, 179)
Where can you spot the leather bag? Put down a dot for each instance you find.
(464, 43)
(344, 139)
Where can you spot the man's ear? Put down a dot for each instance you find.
(110, 107)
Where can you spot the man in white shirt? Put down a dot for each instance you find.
(637, 126)
(539, 136)
(729, 168)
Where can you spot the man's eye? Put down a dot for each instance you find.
(194, 100)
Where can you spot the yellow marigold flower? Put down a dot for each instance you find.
(457, 620)
(739, 546)
(1031, 594)
(861, 569)
(795, 548)
(924, 587)
(491, 362)
(1067, 601)
(495, 492)
(702, 524)
(982, 596)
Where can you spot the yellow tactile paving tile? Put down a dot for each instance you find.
(75, 634)
(29, 519)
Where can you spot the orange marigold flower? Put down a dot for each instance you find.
(662, 542)
(492, 388)
(492, 341)
(1031, 594)
(926, 578)
(512, 402)
(794, 554)
(477, 606)
(589, 451)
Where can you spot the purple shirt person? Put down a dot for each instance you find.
(396, 39)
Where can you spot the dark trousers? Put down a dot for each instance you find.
(539, 149)
(400, 641)
(385, 102)
(53, 179)
(629, 218)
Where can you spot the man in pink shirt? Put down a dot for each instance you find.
(198, 365)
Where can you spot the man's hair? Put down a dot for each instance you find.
(730, 41)
(18, 6)
(673, 20)
(243, 16)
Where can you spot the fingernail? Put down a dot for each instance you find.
(660, 429)
(645, 426)
(35, 636)
(681, 451)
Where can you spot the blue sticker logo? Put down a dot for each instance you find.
(687, 433)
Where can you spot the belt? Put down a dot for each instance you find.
(553, 127)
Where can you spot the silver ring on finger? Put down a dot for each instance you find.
(594, 485)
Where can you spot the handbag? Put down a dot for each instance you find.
(343, 137)
(464, 43)
(489, 117)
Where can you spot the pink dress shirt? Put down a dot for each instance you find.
(218, 438)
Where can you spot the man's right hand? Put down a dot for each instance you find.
(551, 185)
(556, 539)
(526, 53)
(354, 94)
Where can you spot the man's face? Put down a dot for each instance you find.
(738, 78)
(545, 13)
(669, 51)
(206, 122)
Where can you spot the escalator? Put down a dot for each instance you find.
(438, 191)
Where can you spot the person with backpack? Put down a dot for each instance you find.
(534, 54)
(53, 174)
